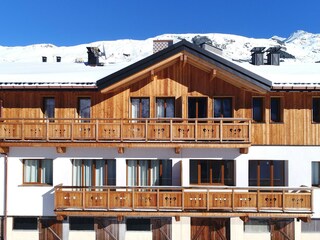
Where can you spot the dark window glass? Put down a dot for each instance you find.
(81, 223)
(276, 110)
(212, 172)
(197, 107)
(140, 108)
(84, 108)
(48, 107)
(316, 110)
(222, 107)
(165, 107)
(257, 109)
(25, 223)
(139, 224)
(316, 174)
(266, 173)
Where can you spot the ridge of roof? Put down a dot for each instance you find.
(184, 45)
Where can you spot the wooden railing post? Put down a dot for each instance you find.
(208, 200)
(182, 199)
(108, 199)
(121, 130)
(22, 130)
(221, 130)
(196, 131)
(97, 130)
(171, 130)
(158, 199)
(258, 200)
(146, 130)
(283, 200)
(47, 130)
(72, 130)
(83, 198)
(232, 200)
(132, 198)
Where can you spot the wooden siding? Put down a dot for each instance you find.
(179, 80)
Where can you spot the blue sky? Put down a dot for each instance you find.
(72, 22)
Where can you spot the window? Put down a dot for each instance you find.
(165, 107)
(197, 107)
(25, 223)
(257, 226)
(222, 107)
(258, 109)
(93, 172)
(37, 171)
(316, 174)
(267, 173)
(81, 223)
(140, 107)
(84, 106)
(138, 224)
(275, 110)
(48, 107)
(316, 110)
(149, 172)
(311, 227)
(212, 172)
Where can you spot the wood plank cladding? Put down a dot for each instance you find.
(180, 78)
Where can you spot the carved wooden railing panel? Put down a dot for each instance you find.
(228, 130)
(184, 199)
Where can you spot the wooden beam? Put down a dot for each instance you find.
(213, 74)
(120, 218)
(305, 219)
(177, 218)
(120, 150)
(152, 76)
(4, 150)
(244, 150)
(244, 218)
(61, 149)
(60, 217)
(177, 150)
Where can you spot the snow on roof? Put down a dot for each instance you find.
(289, 75)
(21, 75)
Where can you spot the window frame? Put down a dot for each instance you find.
(80, 109)
(313, 110)
(262, 109)
(223, 98)
(45, 108)
(39, 172)
(93, 171)
(17, 227)
(280, 118)
(165, 106)
(141, 106)
(223, 169)
(271, 178)
(137, 173)
(312, 174)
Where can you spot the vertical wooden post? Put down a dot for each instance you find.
(221, 130)
(158, 199)
(283, 200)
(196, 131)
(170, 130)
(208, 200)
(97, 130)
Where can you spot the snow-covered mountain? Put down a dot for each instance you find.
(303, 45)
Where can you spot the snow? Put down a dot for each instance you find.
(23, 66)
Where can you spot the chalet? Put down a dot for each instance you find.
(184, 144)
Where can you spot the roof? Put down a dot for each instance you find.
(185, 46)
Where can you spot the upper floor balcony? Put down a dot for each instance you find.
(183, 201)
(159, 132)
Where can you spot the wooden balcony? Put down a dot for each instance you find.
(182, 201)
(205, 131)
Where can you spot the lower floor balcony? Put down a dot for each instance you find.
(182, 201)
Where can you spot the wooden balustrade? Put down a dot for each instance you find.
(126, 130)
(183, 199)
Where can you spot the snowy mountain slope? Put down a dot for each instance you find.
(303, 45)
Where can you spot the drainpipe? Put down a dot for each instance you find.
(5, 196)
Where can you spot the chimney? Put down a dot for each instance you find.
(58, 59)
(257, 56)
(273, 56)
(44, 59)
(159, 45)
(93, 56)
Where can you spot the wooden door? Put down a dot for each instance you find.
(50, 229)
(210, 229)
(161, 228)
(106, 229)
(282, 229)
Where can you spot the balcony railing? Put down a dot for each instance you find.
(126, 130)
(183, 199)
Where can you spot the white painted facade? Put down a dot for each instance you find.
(38, 201)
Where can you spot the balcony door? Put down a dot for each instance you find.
(197, 107)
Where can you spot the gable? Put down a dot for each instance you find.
(184, 53)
